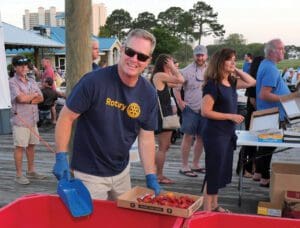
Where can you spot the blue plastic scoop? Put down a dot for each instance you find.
(75, 196)
(73, 193)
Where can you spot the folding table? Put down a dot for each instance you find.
(245, 138)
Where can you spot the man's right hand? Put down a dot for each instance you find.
(182, 105)
(61, 166)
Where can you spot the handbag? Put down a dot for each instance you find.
(170, 122)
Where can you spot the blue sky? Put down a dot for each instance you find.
(258, 20)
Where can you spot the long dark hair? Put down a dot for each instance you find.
(254, 65)
(160, 62)
(215, 66)
(11, 70)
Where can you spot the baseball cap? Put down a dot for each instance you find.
(291, 69)
(200, 49)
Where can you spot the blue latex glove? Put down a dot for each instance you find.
(61, 166)
(151, 180)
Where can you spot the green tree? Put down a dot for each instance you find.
(205, 21)
(211, 49)
(104, 31)
(145, 21)
(186, 29)
(234, 39)
(169, 19)
(237, 42)
(166, 43)
(118, 22)
(184, 54)
(256, 49)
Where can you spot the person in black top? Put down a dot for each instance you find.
(50, 96)
(165, 76)
(249, 151)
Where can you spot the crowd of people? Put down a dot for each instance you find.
(205, 92)
(32, 103)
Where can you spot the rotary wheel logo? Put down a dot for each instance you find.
(133, 110)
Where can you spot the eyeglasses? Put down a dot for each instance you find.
(140, 56)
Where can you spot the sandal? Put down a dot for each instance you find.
(221, 210)
(188, 173)
(247, 174)
(165, 180)
(256, 177)
(264, 183)
(199, 170)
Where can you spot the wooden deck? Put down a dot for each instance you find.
(9, 190)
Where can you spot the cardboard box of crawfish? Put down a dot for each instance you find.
(168, 203)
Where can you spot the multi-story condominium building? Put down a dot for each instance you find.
(52, 18)
(42, 17)
(99, 17)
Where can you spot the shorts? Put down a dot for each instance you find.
(23, 137)
(192, 122)
(44, 115)
(106, 188)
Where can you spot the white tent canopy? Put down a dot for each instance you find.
(5, 102)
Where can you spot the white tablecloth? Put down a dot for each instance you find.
(245, 138)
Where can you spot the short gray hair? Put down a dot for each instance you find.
(270, 46)
(95, 40)
(141, 33)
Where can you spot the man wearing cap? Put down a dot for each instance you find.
(25, 95)
(190, 107)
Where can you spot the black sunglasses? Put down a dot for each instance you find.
(22, 61)
(140, 56)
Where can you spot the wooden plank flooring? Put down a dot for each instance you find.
(9, 190)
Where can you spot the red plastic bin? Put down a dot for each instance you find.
(48, 211)
(223, 220)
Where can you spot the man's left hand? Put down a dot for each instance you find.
(152, 183)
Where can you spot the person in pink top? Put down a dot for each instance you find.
(49, 73)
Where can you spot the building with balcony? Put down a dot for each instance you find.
(51, 18)
(42, 18)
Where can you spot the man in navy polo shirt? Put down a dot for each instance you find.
(113, 106)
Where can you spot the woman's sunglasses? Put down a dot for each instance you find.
(140, 56)
(23, 61)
